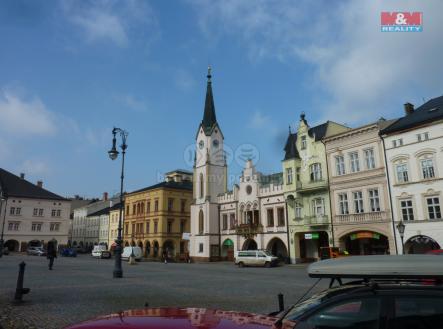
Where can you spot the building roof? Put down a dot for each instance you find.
(179, 171)
(14, 186)
(117, 206)
(209, 117)
(100, 212)
(183, 185)
(430, 111)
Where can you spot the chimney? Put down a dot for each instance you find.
(22, 175)
(40, 183)
(409, 108)
(105, 196)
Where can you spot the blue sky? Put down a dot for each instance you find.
(71, 70)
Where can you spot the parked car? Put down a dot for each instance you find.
(101, 251)
(36, 251)
(255, 258)
(386, 293)
(68, 252)
(80, 250)
(128, 251)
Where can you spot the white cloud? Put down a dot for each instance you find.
(35, 167)
(364, 72)
(264, 123)
(20, 116)
(131, 102)
(110, 20)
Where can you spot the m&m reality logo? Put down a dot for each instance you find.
(401, 21)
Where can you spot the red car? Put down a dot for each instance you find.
(185, 318)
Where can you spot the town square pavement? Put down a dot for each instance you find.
(82, 288)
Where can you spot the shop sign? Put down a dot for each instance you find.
(365, 235)
(311, 236)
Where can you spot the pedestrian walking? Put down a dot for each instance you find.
(51, 253)
(165, 256)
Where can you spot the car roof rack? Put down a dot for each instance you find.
(379, 267)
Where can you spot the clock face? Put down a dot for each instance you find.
(201, 144)
(215, 143)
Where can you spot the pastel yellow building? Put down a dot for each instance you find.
(157, 217)
(114, 214)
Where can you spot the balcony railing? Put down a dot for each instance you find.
(249, 230)
(311, 185)
(361, 218)
(313, 220)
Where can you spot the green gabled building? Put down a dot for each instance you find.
(306, 189)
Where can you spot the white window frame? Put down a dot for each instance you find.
(303, 142)
(374, 200)
(298, 210)
(358, 202)
(289, 176)
(315, 173)
(340, 165)
(403, 178)
(318, 207)
(427, 171)
(369, 158)
(343, 204)
(406, 209)
(435, 206)
(354, 161)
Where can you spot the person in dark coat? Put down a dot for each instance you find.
(51, 253)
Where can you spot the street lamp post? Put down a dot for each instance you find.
(4, 200)
(401, 229)
(113, 154)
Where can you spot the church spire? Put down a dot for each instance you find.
(209, 118)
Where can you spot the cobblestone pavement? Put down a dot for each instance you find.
(82, 288)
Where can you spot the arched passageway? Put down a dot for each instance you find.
(278, 248)
(250, 244)
(420, 244)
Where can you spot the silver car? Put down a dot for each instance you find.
(36, 251)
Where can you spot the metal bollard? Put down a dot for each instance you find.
(281, 303)
(20, 291)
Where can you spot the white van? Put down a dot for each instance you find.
(138, 253)
(100, 251)
(255, 258)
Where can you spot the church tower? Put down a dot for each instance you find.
(210, 180)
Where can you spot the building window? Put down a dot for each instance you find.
(200, 248)
(298, 210)
(224, 222)
(200, 222)
(59, 213)
(155, 226)
(40, 212)
(12, 211)
(303, 142)
(232, 223)
(297, 170)
(148, 206)
(407, 211)
(182, 225)
(148, 227)
(340, 165)
(402, 173)
(288, 176)
(36, 227)
(155, 205)
(54, 227)
(13, 226)
(369, 158)
(433, 208)
(53, 212)
(281, 216)
(133, 229)
(358, 202)
(35, 213)
(318, 207)
(169, 228)
(374, 200)
(427, 168)
(270, 216)
(343, 205)
(397, 142)
(315, 170)
(423, 137)
(183, 206)
(18, 211)
(201, 185)
(170, 204)
(355, 163)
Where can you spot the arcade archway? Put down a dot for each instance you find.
(278, 248)
(420, 244)
(228, 250)
(365, 243)
(250, 244)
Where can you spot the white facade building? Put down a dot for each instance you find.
(414, 155)
(251, 216)
(32, 215)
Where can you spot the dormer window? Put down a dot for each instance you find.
(303, 142)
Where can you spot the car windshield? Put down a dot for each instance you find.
(304, 306)
(267, 252)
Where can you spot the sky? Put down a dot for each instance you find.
(72, 70)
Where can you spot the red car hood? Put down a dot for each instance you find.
(185, 318)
